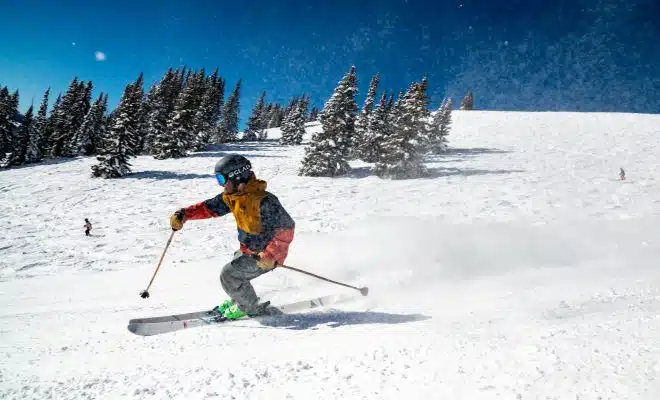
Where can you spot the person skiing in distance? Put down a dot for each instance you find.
(265, 231)
(622, 174)
(88, 227)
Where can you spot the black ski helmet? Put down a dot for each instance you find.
(235, 168)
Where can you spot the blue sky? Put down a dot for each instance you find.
(587, 55)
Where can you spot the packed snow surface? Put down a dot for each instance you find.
(521, 268)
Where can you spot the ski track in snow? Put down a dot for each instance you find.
(522, 268)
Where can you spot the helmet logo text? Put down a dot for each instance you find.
(238, 171)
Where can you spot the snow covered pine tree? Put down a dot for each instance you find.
(120, 143)
(330, 149)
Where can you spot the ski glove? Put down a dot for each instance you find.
(265, 263)
(177, 219)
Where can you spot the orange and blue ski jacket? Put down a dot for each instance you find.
(263, 224)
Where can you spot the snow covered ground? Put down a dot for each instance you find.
(522, 268)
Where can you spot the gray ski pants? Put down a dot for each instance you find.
(235, 278)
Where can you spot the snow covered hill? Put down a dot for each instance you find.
(522, 268)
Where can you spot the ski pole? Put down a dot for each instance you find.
(363, 290)
(144, 294)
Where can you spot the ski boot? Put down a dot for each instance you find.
(228, 310)
(265, 309)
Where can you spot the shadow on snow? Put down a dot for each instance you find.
(234, 150)
(473, 151)
(464, 154)
(47, 161)
(433, 172)
(457, 154)
(222, 150)
(337, 319)
(164, 175)
(439, 172)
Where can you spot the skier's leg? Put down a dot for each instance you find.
(235, 279)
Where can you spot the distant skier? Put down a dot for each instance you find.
(88, 227)
(265, 231)
(622, 174)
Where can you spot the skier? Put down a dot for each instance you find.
(622, 174)
(88, 227)
(265, 231)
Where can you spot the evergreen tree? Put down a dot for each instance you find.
(402, 151)
(8, 108)
(5, 127)
(179, 82)
(47, 141)
(217, 137)
(266, 116)
(440, 127)
(314, 114)
(423, 95)
(37, 130)
(21, 140)
(304, 106)
(183, 123)
(143, 115)
(106, 121)
(328, 153)
(77, 114)
(378, 129)
(180, 133)
(293, 103)
(151, 101)
(13, 118)
(445, 122)
(88, 134)
(363, 119)
(255, 123)
(293, 126)
(281, 113)
(121, 141)
(390, 102)
(228, 127)
(398, 100)
(161, 98)
(208, 112)
(269, 118)
(197, 85)
(275, 116)
(63, 119)
(79, 108)
(220, 104)
(423, 121)
(468, 101)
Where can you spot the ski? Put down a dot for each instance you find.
(170, 323)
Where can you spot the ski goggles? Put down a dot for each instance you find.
(221, 179)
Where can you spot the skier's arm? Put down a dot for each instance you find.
(278, 226)
(210, 208)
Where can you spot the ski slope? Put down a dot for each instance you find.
(521, 268)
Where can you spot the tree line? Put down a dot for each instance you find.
(394, 134)
(184, 111)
